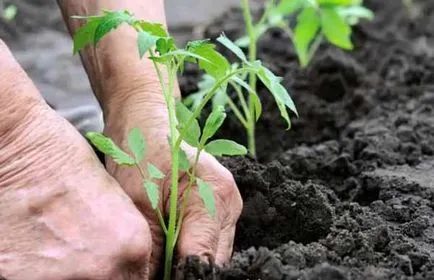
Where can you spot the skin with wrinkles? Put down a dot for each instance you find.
(63, 216)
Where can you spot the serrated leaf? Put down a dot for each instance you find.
(308, 25)
(183, 114)
(85, 34)
(213, 63)
(281, 96)
(335, 29)
(224, 147)
(155, 29)
(154, 172)
(213, 123)
(153, 192)
(222, 39)
(137, 144)
(145, 41)
(165, 45)
(184, 163)
(207, 195)
(109, 148)
(110, 21)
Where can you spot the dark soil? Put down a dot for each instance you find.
(348, 193)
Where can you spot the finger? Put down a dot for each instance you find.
(225, 244)
(200, 232)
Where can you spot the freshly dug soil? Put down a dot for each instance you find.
(348, 193)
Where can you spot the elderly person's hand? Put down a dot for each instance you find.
(130, 96)
(62, 215)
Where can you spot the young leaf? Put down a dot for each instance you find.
(106, 146)
(145, 41)
(85, 35)
(137, 144)
(165, 45)
(357, 12)
(279, 93)
(225, 148)
(154, 172)
(232, 47)
(336, 2)
(213, 123)
(308, 24)
(193, 131)
(242, 42)
(184, 163)
(152, 190)
(155, 29)
(287, 7)
(207, 195)
(110, 21)
(213, 63)
(336, 30)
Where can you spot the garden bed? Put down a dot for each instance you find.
(348, 192)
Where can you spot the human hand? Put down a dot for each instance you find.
(200, 235)
(62, 216)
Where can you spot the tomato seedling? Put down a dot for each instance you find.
(316, 20)
(153, 39)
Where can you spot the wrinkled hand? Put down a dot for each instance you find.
(200, 235)
(62, 216)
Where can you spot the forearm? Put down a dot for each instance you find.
(114, 68)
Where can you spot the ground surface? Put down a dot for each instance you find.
(348, 192)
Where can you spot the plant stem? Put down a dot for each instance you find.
(250, 30)
(237, 113)
(187, 193)
(171, 237)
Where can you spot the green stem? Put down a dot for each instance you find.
(250, 30)
(187, 194)
(242, 99)
(237, 113)
(171, 237)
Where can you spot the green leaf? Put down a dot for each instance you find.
(155, 29)
(336, 2)
(10, 12)
(193, 131)
(109, 148)
(213, 63)
(145, 41)
(242, 42)
(336, 30)
(357, 12)
(223, 147)
(154, 172)
(287, 7)
(206, 193)
(193, 100)
(232, 47)
(279, 92)
(110, 21)
(213, 123)
(183, 53)
(153, 192)
(257, 105)
(220, 98)
(308, 25)
(165, 45)
(184, 163)
(85, 35)
(137, 144)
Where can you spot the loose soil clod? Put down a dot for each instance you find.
(348, 192)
